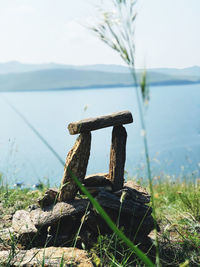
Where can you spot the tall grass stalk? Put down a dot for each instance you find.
(116, 28)
(94, 202)
(110, 223)
(80, 227)
(44, 141)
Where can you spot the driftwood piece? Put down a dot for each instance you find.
(131, 207)
(98, 179)
(117, 157)
(94, 190)
(132, 194)
(50, 197)
(55, 213)
(98, 182)
(91, 124)
(138, 192)
(135, 192)
(134, 227)
(76, 162)
(136, 186)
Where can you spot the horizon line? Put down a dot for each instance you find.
(94, 64)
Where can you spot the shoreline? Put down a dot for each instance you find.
(105, 86)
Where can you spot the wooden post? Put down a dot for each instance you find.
(77, 161)
(117, 157)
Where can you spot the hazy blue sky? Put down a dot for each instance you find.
(36, 31)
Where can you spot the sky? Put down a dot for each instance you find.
(43, 31)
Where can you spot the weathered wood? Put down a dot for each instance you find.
(117, 157)
(133, 226)
(98, 182)
(134, 191)
(98, 179)
(50, 197)
(137, 192)
(112, 202)
(94, 190)
(91, 124)
(132, 194)
(76, 162)
(55, 213)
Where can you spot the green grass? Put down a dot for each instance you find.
(13, 199)
(177, 205)
(177, 209)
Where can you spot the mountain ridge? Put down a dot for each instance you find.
(16, 76)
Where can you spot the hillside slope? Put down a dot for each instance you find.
(86, 77)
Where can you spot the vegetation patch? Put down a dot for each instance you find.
(177, 209)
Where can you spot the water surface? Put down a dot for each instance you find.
(173, 128)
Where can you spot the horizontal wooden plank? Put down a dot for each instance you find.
(91, 124)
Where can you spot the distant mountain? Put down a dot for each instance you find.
(105, 68)
(61, 79)
(17, 67)
(191, 71)
(15, 76)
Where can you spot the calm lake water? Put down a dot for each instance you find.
(173, 127)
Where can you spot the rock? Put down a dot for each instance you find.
(97, 182)
(7, 217)
(99, 179)
(137, 192)
(33, 207)
(133, 216)
(5, 234)
(25, 230)
(52, 257)
(55, 213)
(95, 190)
(50, 197)
(137, 227)
(76, 162)
(22, 223)
(132, 225)
(54, 225)
(117, 157)
(132, 194)
(112, 202)
(92, 124)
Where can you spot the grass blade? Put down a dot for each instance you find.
(110, 223)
